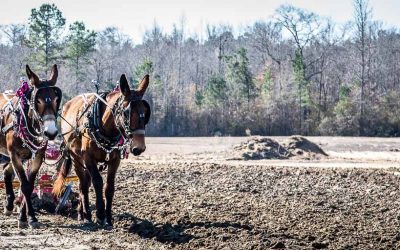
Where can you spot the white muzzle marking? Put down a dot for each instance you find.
(50, 127)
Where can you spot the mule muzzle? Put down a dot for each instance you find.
(137, 151)
(50, 127)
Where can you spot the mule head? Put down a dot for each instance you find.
(136, 113)
(45, 100)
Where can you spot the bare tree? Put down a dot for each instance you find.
(294, 73)
(305, 28)
(362, 18)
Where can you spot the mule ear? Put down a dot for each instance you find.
(33, 78)
(53, 77)
(124, 86)
(143, 85)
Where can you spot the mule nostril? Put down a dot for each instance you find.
(51, 135)
(136, 151)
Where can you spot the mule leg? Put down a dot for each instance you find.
(26, 191)
(110, 188)
(27, 184)
(97, 181)
(84, 212)
(36, 164)
(10, 196)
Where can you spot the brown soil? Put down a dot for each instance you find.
(199, 201)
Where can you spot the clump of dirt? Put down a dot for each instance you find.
(298, 146)
(257, 148)
(261, 148)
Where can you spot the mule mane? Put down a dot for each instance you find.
(113, 96)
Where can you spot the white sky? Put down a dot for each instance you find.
(133, 17)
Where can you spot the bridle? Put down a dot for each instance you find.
(123, 115)
(48, 101)
(122, 118)
(27, 98)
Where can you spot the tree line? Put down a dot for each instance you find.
(294, 73)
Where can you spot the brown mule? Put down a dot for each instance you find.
(27, 121)
(110, 125)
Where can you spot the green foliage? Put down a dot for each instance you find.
(147, 68)
(266, 84)
(298, 68)
(344, 120)
(344, 108)
(80, 43)
(198, 98)
(344, 92)
(383, 115)
(239, 77)
(45, 27)
(215, 93)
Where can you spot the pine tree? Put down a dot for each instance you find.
(239, 77)
(302, 84)
(215, 93)
(147, 68)
(45, 27)
(80, 43)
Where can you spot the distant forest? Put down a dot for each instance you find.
(294, 73)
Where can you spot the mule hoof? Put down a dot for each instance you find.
(22, 224)
(101, 222)
(7, 212)
(86, 221)
(108, 226)
(34, 225)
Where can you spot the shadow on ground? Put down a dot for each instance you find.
(168, 233)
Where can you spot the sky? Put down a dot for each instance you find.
(133, 17)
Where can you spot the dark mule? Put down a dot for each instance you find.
(27, 122)
(111, 123)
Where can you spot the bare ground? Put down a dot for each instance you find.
(186, 193)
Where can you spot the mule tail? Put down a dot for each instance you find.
(59, 184)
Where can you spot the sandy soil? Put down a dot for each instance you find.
(187, 193)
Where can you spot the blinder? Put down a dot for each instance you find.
(148, 113)
(143, 117)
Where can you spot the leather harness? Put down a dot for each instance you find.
(94, 116)
(94, 120)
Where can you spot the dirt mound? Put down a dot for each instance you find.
(257, 148)
(261, 148)
(299, 146)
